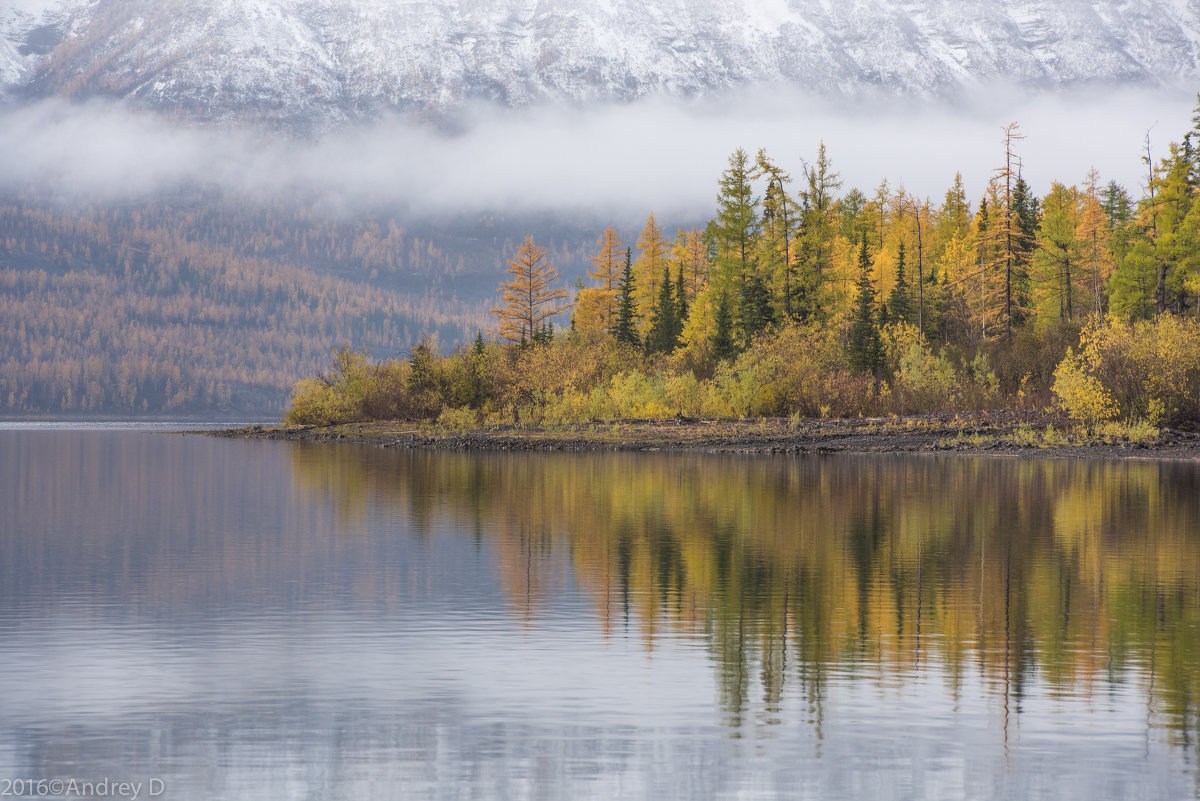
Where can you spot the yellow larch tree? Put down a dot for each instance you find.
(988, 286)
(1093, 232)
(690, 253)
(529, 297)
(596, 305)
(648, 269)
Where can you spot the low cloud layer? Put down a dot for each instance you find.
(617, 161)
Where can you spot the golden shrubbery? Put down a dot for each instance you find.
(1143, 371)
(1081, 393)
(795, 371)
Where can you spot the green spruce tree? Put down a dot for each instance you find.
(1026, 212)
(755, 308)
(625, 323)
(723, 346)
(681, 305)
(661, 336)
(899, 305)
(737, 223)
(866, 345)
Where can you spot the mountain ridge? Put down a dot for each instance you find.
(326, 62)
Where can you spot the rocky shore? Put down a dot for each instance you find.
(1015, 433)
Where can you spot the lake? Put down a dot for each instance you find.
(269, 620)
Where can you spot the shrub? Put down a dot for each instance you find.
(459, 420)
(924, 382)
(1081, 394)
(337, 397)
(802, 369)
(1151, 368)
(733, 391)
(314, 403)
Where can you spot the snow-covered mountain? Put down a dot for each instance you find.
(324, 61)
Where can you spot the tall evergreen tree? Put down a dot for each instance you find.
(681, 305)
(817, 234)
(866, 345)
(737, 223)
(661, 337)
(1118, 206)
(1025, 214)
(1173, 213)
(1016, 220)
(1095, 234)
(723, 346)
(625, 322)
(1059, 252)
(475, 373)
(755, 308)
(1132, 285)
(1192, 140)
(652, 257)
(779, 219)
(596, 305)
(691, 253)
(854, 219)
(954, 217)
(899, 304)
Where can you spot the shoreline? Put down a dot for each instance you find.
(991, 433)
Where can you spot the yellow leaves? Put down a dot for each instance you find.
(607, 264)
(459, 421)
(1081, 394)
(735, 390)
(594, 309)
(924, 381)
(313, 403)
(648, 269)
(699, 327)
(1151, 368)
(529, 298)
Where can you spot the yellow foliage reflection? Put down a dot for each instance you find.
(1078, 574)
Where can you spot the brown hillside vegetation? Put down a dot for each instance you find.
(210, 306)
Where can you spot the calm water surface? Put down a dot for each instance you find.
(258, 620)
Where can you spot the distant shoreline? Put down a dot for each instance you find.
(991, 433)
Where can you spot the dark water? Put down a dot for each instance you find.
(254, 620)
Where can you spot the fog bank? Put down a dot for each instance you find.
(614, 161)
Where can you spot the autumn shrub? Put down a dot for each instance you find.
(1150, 369)
(1024, 364)
(458, 420)
(1085, 399)
(682, 394)
(314, 403)
(1138, 430)
(979, 386)
(1025, 436)
(538, 376)
(923, 381)
(734, 391)
(802, 369)
(336, 397)
(384, 391)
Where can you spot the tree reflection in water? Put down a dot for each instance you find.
(800, 571)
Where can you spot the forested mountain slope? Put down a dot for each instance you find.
(207, 305)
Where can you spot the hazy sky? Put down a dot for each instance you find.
(618, 161)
